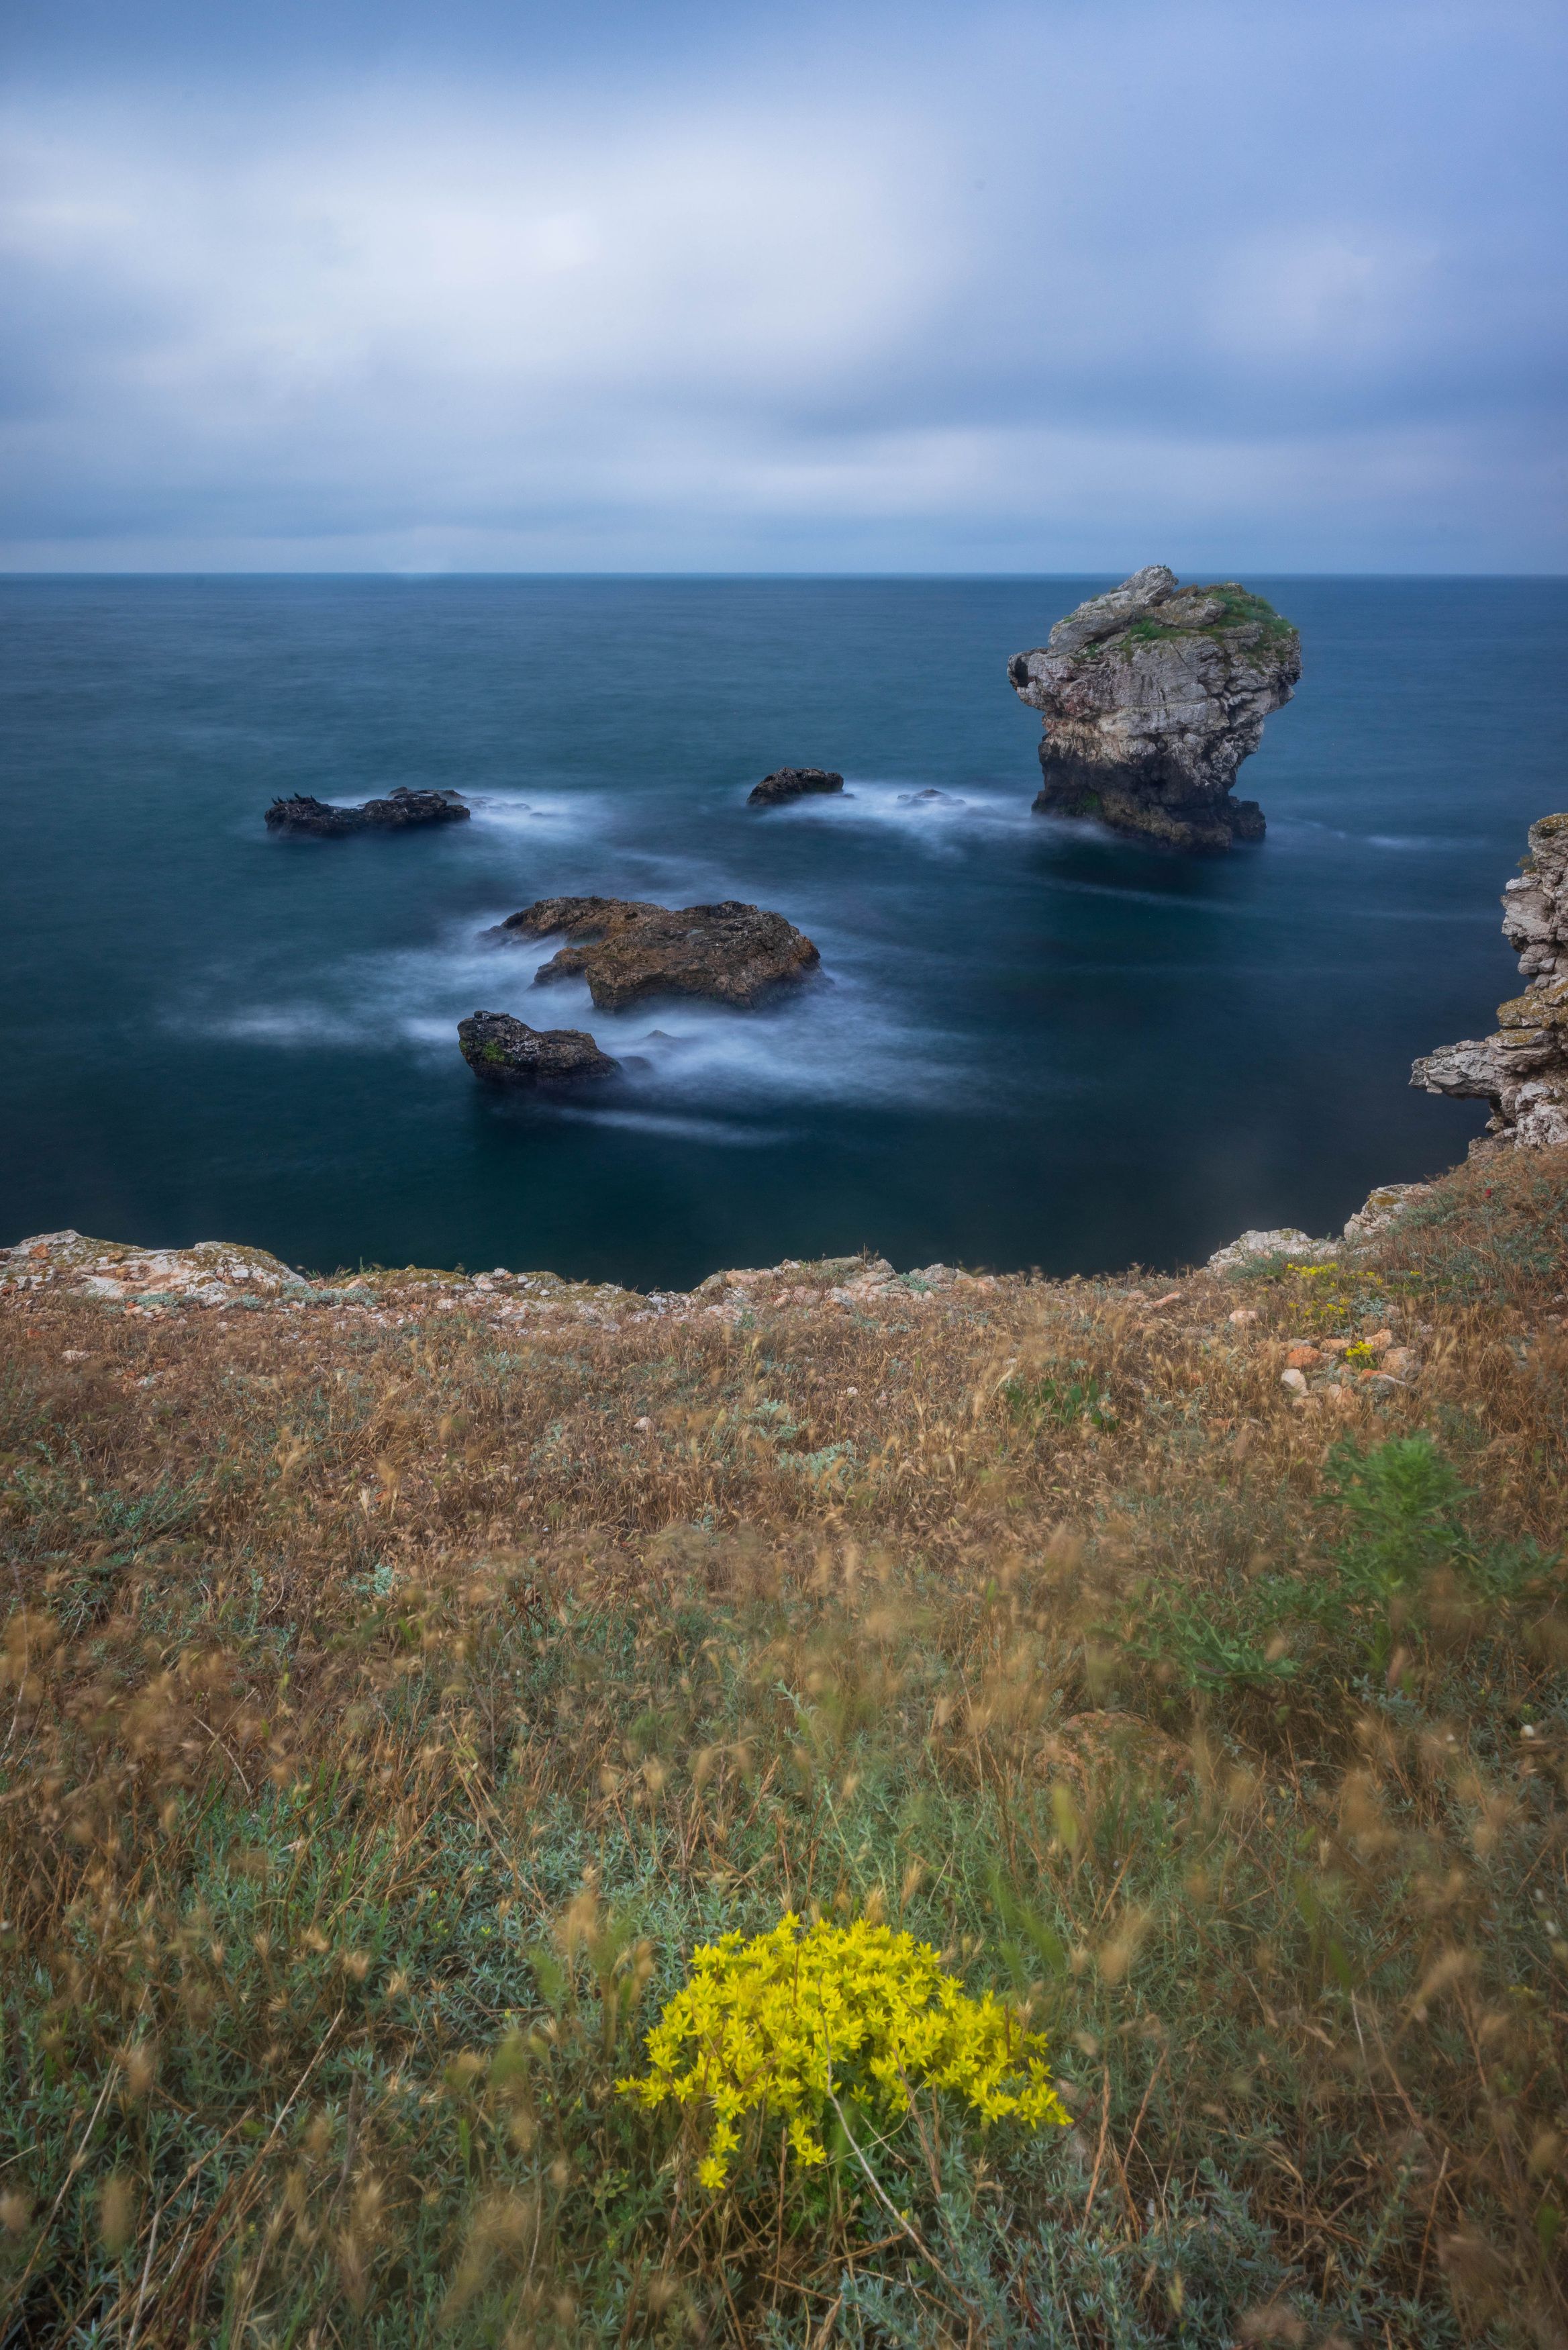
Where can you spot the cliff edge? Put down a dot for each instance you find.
(1521, 1069)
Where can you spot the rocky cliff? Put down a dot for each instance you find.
(1152, 697)
(1523, 1069)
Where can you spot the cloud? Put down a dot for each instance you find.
(1045, 294)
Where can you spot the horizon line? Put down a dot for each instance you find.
(401, 577)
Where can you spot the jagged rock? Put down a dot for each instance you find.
(1152, 697)
(1283, 1241)
(398, 812)
(1381, 1210)
(1523, 1069)
(506, 1052)
(627, 948)
(793, 783)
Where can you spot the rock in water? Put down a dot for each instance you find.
(1522, 1070)
(793, 783)
(627, 948)
(506, 1052)
(398, 812)
(1152, 696)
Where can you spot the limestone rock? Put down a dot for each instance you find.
(1382, 1210)
(793, 783)
(505, 1052)
(210, 1272)
(1152, 696)
(1521, 1069)
(1283, 1241)
(627, 948)
(400, 812)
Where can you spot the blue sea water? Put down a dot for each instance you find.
(1032, 1044)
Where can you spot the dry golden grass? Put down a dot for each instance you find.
(387, 1710)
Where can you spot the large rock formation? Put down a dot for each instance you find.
(1152, 696)
(506, 1052)
(627, 948)
(793, 783)
(398, 812)
(1522, 1070)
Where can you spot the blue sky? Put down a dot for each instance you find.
(1073, 286)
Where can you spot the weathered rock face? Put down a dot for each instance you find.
(1522, 1070)
(1152, 697)
(793, 783)
(398, 812)
(506, 1052)
(627, 948)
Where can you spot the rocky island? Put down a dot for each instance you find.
(400, 811)
(1521, 1069)
(502, 1051)
(793, 783)
(1153, 694)
(627, 948)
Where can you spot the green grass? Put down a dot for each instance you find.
(1241, 610)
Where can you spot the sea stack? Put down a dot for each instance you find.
(1152, 697)
(1523, 1069)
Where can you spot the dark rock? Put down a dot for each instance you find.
(793, 783)
(398, 812)
(505, 1052)
(927, 798)
(1152, 697)
(1522, 1070)
(627, 948)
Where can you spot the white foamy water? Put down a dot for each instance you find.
(925, 819)
(559, 815)
(689, 1067)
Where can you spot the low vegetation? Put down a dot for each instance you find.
(391, 1714)
(1241, 610)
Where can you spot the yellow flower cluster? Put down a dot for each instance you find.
(791, 2020)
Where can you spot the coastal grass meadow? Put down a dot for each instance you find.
(389, 1715)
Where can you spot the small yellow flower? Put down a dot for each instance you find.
(788, 2021)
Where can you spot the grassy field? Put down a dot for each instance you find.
(390, 1707)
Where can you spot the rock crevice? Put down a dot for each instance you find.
(1152, 695)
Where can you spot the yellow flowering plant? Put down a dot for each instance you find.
(791, 2022)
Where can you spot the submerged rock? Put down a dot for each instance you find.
(398, 812)
(506, 1052)
(1152, 696)
(793, 783)
(1523, 1069)
(627, 948)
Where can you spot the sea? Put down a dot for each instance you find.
(1031, 1044)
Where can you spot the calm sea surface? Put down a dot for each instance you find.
(1035, 1044)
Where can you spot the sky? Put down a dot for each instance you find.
(426, 286)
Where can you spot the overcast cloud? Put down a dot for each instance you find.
(1069, 287)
